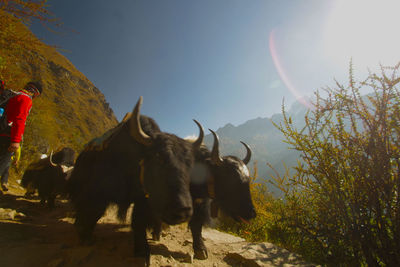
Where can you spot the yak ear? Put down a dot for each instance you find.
(135, 129)
(199, 140)
(215, 157)
(127, 116)
(248, 155)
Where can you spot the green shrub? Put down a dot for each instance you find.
(343, 200)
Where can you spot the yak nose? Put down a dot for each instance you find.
(178, 215)
(182, 207)
(182, 214)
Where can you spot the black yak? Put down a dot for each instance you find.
(227, 186)
(49, 175)
(131, 165)
(222, 181)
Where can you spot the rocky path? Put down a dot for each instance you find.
(31, 235)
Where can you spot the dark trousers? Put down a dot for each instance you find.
(4, 176)
(5, 158)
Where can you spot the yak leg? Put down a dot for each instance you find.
(42, 195)
(87, 217)
(156, 225)
(50, 201)
(44, 191)
(140, 222)
(30, 190)
(156, 234)
(199, 218)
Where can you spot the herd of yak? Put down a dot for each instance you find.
(169, 179)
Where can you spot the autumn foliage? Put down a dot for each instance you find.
(341, 207)
(15, 16)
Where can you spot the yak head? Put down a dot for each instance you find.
(164, 171)
(227, 179)
(231, 179)
(64, 157)
(60, 171)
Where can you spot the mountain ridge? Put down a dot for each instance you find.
(266, 141)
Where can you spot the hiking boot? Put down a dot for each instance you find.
(4, 187)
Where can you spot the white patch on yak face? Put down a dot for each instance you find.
(244, 170)
(199, 173)
(66, 168)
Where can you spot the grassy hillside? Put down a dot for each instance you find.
(71, 110)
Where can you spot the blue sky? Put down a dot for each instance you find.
(219, 61)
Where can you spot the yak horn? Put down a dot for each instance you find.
(51, 159)
(199, 140)
(135, 129)
(215, 158)
(248, 156)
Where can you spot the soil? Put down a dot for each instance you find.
(33, 235)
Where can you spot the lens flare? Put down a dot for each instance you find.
(282, 73)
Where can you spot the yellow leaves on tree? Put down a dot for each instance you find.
(15, 37)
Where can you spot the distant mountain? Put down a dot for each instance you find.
(266, 141)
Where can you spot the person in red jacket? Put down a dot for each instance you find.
(17, 111)
(2, 86)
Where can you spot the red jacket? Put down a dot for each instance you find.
(17, 110)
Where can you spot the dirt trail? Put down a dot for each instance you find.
(31, 235)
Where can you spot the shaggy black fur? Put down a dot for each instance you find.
(49, 180)
(112, 175)
(232, 195)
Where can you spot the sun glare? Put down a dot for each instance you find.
(365, 30)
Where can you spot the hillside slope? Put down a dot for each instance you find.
(71, 110)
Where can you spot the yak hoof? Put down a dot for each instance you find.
(200, 254)
(140, 262)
